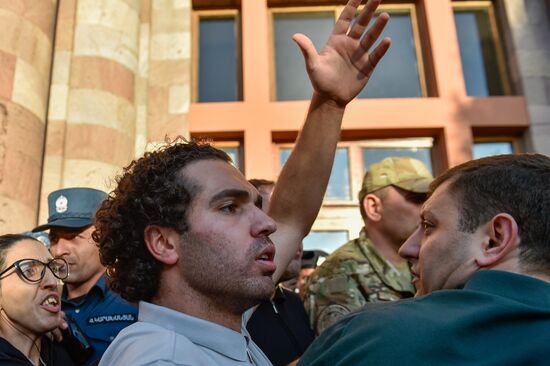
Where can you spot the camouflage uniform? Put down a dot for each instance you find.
(349, 278)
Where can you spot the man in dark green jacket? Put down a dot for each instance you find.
(481, 268)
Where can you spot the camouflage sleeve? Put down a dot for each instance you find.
(333, 292)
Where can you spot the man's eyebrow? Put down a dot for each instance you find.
(230, 193)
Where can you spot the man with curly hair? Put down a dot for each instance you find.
(184, 234)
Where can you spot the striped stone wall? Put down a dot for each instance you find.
(120, 79)
(118, 74)
(26, 43)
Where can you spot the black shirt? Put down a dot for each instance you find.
(51, 353)
(280, 327)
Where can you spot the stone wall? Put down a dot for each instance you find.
(529, 23)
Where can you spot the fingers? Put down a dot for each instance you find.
(363, 19)
(57, 335)
(306, 46)
(345, 19)
(374, 32)
(376, 55)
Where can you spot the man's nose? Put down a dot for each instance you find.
(263, 224)
(60, 248)
(411, 247)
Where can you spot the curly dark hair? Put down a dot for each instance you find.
(150, 191)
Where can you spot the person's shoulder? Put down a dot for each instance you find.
(145, 343)
(374, 331)
(344, 259)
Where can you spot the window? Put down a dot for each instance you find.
(482, 149)
(339, 183)
(376, 150)
(401, 74)
(480, 49)
(291, 80)
(230, 143)
(327, 241)
(218, 65)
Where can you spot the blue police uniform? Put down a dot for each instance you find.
(100, 314)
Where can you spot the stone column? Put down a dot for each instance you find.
(530, 27)
(25, 62)
(92, 120)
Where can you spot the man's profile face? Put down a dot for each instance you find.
(78, 248)
(400, 217)
(441, 256)
(226, 254)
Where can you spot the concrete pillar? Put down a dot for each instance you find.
(92, 120)
(446, 60)
(25, 63)
(530, 27)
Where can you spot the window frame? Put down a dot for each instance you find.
(337, 10)
(356, 167)
(489, 7)
(343, 230)
(197, 15)
(515, 141)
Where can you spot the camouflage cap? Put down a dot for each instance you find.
(406, 173)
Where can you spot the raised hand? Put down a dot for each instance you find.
(344, 65)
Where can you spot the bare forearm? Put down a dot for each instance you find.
(301, 186)
(302, 183)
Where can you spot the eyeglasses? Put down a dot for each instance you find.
(34, 270)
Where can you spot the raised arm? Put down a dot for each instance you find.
(338, 73)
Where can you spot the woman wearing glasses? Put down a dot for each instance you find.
(30, 303)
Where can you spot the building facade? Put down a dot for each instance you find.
(88, 85)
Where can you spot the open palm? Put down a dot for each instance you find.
(344, 65)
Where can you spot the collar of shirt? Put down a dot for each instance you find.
(534, 292)
(201, 332)
(100, 288)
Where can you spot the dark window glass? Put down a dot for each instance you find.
(219, 69)
(478, 53)
(235, 154)
(327, 241)
(483, 149)
(338, 185)
(397, 75)
(374, 155)
(292, 82)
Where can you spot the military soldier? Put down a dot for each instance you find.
(368, 269)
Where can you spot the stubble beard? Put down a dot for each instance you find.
(210, 269)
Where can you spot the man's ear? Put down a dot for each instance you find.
(501, 239)
(162, 243)
(373, 207)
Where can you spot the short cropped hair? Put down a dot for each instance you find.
(151, 191)
(518, 185)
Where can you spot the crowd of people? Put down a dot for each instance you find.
(185, 262)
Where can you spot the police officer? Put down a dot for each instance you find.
(368, 269)
(98, 312)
